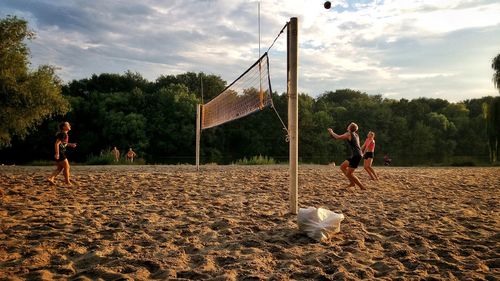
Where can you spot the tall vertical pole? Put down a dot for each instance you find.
(258, 7)
(201, 87)
(293, 112)
(198, 135)
(261, 94)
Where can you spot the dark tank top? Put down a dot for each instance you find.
(354, 144)
(63, 137)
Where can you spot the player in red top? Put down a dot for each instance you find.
(368, 149)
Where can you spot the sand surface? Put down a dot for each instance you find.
(232, 223)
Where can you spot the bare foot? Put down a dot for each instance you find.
(52, 181)
(68, 183)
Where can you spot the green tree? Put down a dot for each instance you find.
(171, 113)
(495, 64)
(443, 131)
(492, 116)
(126, 130)
(157, 119)
(422, 142)
(212, 84)
(26, 97)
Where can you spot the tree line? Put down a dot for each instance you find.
(157, 118)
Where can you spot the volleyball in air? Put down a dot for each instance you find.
(327, 4)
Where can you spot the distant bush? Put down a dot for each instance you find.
(41, 163)
(103, 159)
(137, 161)
(256, 160)
(109, 159)
(465, 161)
(463, 164)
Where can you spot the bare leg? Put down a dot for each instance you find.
(353, 178)
(367, 165)
(370, 162)
(66, 171)
(373, 173)
(59, 167)
(344, 168)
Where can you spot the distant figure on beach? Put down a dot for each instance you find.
(368, 150)
(116, 154)
(387, 160)
(62, 142)
(349, 165)
(130, 155)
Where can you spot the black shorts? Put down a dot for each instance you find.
(61, 158)
(368, 155)
(354, 161)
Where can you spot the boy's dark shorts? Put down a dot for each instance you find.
(354, 161)
(368, 155)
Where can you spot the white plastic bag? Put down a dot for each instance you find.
(319, 223)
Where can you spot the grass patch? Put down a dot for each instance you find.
(463, 164)
(109, 159)
(41, 163)
(103, 159)
(256, 160)
(464, 161)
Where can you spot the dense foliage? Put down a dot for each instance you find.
(492, 114)
(495, 64)
(157, 119)
(26, 97)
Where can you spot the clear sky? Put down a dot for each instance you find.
(396, 48)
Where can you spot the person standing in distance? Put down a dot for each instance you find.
(116, 154)
(130, 155)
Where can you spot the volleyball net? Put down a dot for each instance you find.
(249, 93)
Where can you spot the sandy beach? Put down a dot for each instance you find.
(233, 223)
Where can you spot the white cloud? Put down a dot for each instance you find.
(412, 76)
(396, 48)
(441, 21)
